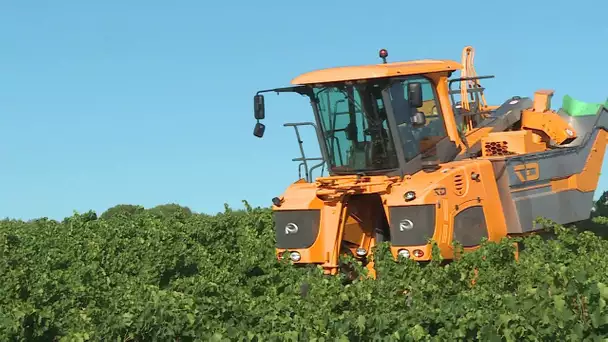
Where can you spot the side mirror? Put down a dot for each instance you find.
(259, 129)
(418, 120)
(414, 94)
(258, 107)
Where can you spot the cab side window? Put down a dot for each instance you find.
(434, 129)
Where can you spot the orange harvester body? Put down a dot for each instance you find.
(408, 163)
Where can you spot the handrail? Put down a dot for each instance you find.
(304, 160)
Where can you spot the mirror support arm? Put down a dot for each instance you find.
(259, 107)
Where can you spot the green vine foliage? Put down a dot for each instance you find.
(173, 275)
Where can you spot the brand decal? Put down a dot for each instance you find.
(406, 225)
(527, 172)
(291, 228)
(440, 191)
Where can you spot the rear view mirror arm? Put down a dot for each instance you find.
(259, 106)
(302, 90)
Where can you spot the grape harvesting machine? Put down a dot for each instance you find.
(414, 156)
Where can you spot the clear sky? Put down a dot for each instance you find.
(150, 102)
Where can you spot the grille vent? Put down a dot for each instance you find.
(459, 184)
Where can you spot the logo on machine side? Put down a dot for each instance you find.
(406, 225)
(291, 228)
(527, 172)
(440, 191)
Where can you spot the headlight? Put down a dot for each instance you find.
(295, 256)
(361, 251)
(404, 253)
(418, 253)
(409, 196)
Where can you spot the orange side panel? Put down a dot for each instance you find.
(588, 179)
(325, 250)
(452, 190)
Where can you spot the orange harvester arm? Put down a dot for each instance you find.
(540, 118)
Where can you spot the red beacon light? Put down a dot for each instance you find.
(383, 54)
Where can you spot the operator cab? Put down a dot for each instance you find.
(379, 119)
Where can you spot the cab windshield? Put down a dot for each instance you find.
(355, 128)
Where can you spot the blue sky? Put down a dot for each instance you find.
(150, 102)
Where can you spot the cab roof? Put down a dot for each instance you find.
(352, 73)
